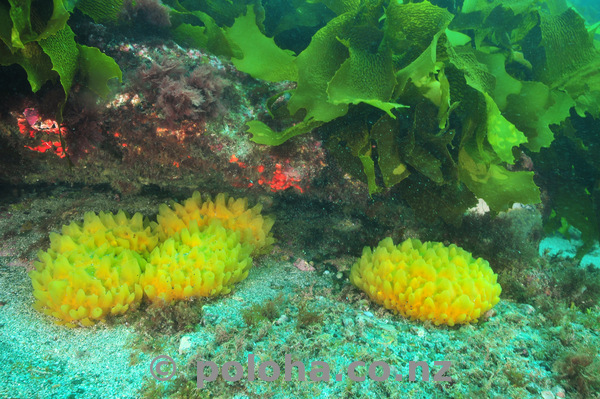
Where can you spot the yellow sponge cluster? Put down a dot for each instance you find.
(196, 262)
(90, 271)
(118, 231)
(233, 213)
(109, 263)
(427, 281)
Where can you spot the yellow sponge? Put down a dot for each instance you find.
(93, 268)
(427, 281)
(233, 213)
(109, 263)
(118, 231)
(196, 262)
(78, 286)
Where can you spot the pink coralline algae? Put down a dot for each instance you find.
(31, 115)
(303, 265)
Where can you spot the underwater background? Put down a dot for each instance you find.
(306, 198)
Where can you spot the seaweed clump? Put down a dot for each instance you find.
(176, 317)
(179, 94)
(579, 286)
(257, 313)
(307, 317)
(580, 368)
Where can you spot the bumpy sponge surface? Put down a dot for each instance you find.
(254, 228)
(90, 271)
(109, 263)
(196, 262)
(118, 231)
(427, 281)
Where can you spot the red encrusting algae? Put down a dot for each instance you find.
(32, 126)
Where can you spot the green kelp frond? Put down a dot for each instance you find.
(486, 6)
(530, 106)
(223, 12)
(101, 11)
(501, 134)
(393, 167)
(33, 60)
(504, 84)
(569, 171)
(410, 28)
(260, 56)
(564, 57)
(209, 35)
(26, 22)
(294, 15)
(64, 55)
(499, 187)
(534, 109)
(263, 134)
(422, 73)
(440, 107)
(44, 45)
(67, 57)
(563, 46)
(367, 75)
(476, 75)
(496, 24)
(317, 65)
(97, 69)
(355, 60)
(457, 38)
(339, 6)
(5, 25)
